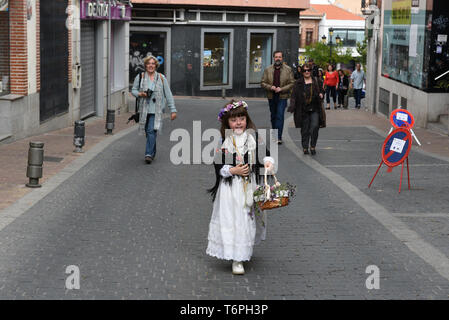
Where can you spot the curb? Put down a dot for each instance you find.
(15, 210)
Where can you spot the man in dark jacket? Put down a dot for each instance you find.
(314, 68)
(278, 81)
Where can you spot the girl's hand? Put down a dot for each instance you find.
(240, 170)
(268, 166)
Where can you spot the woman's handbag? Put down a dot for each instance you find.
(322, 117)
(136, 115)
(269, 197)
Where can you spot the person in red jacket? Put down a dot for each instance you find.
(330, 83)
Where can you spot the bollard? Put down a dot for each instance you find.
(110, 119)
(223, 93)
(35, 161)
(78, 136)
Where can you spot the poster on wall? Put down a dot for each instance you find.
(412, 52)
(415, 6)
(401, 12)
(3, 5)
(258, 64)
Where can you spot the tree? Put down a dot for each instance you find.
(362, 50)
(320, 53)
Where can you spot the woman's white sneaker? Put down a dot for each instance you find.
(237, 267)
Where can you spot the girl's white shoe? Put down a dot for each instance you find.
(237, 267)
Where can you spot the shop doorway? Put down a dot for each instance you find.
(53, 98)
(87, 92)
(143, 43)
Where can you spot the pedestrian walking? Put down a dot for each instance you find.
(306, 105)
(321, 75)
(330, 82)
(234, 227)
(278, 81)
(343, 85)
(357, 81)
(314, 68)
(298, 72)
(153, 93)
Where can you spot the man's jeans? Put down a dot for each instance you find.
(358, 97)
(277, 109)
(151, 134)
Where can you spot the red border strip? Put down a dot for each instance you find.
(386, 156)
(407, 125)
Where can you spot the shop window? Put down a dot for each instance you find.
(438, 70)
(4, 52)
(349, 37)
(216, 60)
(152, 14)
(191, 16)
(211, 16)
(235, 16)
(261, 46)
(260, 17)
(287, 18)
(403, 48)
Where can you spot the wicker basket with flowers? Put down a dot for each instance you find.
(269, 197)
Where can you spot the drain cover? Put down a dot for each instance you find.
(52, 159)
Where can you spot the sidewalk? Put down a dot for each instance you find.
(58, 148)
(431, 141)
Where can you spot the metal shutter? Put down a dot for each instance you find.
(87, 95)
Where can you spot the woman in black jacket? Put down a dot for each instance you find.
(342, 88)
(306, 105)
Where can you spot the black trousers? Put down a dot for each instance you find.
(309, 129)
(331, 91)
(341, 96)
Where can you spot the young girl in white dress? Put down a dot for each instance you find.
(234, 227)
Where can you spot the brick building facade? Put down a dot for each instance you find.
(38, 53)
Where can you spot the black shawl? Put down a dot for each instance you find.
(230, 159)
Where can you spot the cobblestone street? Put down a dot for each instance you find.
(139, 231)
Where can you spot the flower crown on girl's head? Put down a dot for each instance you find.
(231, 106)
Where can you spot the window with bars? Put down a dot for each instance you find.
(4, 52)
(309, 37)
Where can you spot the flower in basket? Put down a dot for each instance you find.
(276, 192)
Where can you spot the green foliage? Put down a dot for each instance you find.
(320, 53)
(443, 84)
(362, 50)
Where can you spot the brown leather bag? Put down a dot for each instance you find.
(322, 116)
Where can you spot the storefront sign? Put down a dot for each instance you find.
(415, 6)
(402, 10)
(91, 9)
(3, 5)
(442, 38)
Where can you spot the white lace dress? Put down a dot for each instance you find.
(232, 230)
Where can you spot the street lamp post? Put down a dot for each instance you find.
(337, 41)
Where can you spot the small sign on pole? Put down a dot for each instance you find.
(395, 151)
(401, 118)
